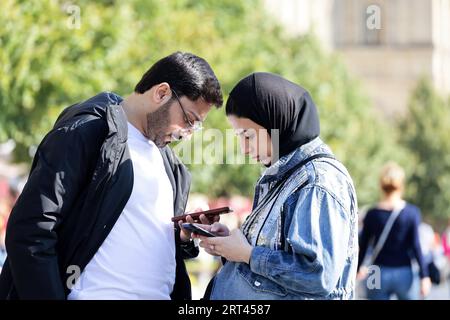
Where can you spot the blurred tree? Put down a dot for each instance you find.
(250, 41)
(48, 61)
(54, 54)
(425, 132)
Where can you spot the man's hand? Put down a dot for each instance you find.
(185, 235)
(233, 247)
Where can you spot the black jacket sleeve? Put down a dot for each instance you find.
(188, 250)
(61, 168)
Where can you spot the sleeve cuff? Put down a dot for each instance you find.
(423, 272)
(259, 260)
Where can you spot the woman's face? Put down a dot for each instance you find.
(254, 139)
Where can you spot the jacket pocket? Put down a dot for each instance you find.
(260, 283)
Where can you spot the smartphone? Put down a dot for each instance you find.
(198, 230)
(208, 213)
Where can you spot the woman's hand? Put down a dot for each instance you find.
(234, 247)
(217, 228)
(185, 235)
(425, 286)
(362, 273)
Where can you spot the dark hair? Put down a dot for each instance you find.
(187, 74)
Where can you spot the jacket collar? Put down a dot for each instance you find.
(290, 160)
(117, 120)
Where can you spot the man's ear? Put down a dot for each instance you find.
(162, 93)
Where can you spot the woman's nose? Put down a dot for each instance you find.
(245, 148)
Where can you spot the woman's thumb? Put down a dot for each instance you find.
(215, 227)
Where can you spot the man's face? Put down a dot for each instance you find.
(169, 122)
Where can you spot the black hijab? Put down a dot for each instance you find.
(276, 103)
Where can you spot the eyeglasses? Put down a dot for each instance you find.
(192, 126)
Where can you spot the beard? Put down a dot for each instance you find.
(158, 124)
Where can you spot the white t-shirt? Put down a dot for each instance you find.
(137, 259)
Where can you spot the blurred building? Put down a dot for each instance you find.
(412, 40)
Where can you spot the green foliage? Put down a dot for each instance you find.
(46, 65)
(425, 133)
(242, 39)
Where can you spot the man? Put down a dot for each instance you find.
(94, 219)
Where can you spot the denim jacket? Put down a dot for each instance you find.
(305, 243)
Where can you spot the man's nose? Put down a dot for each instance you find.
(188, 136)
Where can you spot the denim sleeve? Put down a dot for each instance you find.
(319, 237)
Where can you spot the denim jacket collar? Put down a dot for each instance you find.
(288, 161)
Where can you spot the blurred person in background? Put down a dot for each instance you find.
(401, 242)
(300, 240)
(4, 211)
(433, 252)
(446, 240)
(427, 241)
(7, 200)
(446, 250)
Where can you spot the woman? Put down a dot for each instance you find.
(300, 241)
(396, 276)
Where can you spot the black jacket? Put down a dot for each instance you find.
(80, 181)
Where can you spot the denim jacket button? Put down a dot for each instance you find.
(257, 283)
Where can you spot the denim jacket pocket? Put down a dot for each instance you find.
(260, 283)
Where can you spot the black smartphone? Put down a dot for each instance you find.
(198, 230)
